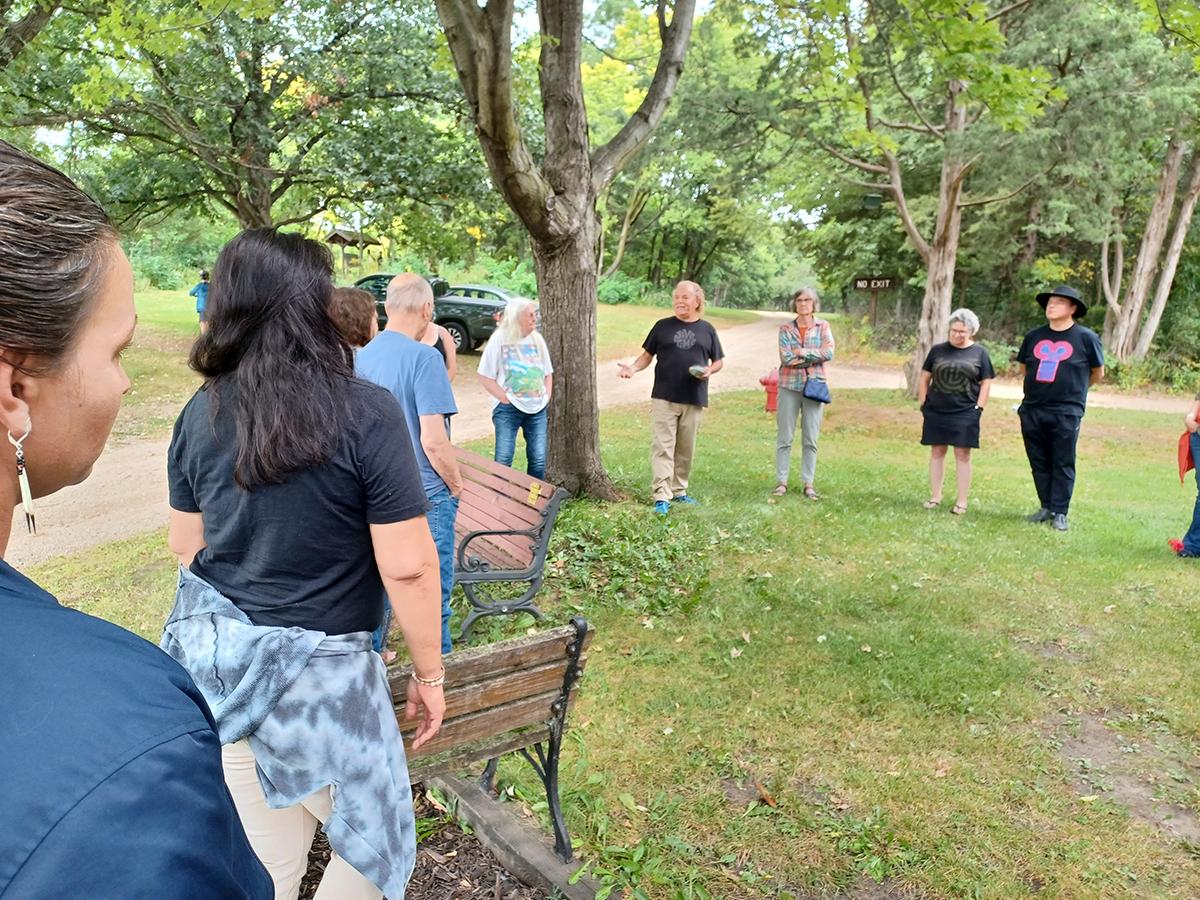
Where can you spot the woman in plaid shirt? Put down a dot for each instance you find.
(805, 345)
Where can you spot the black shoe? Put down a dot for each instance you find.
(1042, 515)
(1060, 522)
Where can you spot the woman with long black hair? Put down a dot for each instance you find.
(295, 503)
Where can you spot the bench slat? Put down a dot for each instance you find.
(458, 758)
(481, 467)
(479, 663)
(514, 552)
(518, 492)
(470, 698)
(515, 512)
(490, 722)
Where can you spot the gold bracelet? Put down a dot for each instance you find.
(431, 682)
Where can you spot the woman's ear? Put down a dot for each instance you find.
(15, 390)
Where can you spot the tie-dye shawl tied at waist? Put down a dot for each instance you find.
(317, 711)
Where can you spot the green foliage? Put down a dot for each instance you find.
(622, 288)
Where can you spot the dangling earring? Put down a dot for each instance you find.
(23, 477)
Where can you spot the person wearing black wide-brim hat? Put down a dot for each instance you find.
(1059, 362)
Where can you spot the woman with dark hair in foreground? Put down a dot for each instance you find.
(112, 768)
(295, 503)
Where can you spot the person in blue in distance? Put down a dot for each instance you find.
(200, 292)
(112, 766)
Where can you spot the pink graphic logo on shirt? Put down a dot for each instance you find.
(1051, 353)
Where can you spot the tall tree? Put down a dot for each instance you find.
(903, 91)
(272, 115)
(555, 198)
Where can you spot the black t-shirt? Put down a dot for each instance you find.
(298, 553)
(678, 345)
(1058, 365)
(957, 373)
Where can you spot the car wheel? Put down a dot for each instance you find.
(458, 331)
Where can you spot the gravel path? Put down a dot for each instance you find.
(126, 494)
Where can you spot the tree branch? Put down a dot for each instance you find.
(609, 159)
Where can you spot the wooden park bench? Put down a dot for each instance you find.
(501, 536)
(513, 695)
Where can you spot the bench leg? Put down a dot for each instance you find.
(487, 780)
(481, 608)
(546, 766)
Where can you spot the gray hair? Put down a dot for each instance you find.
(811, 291)
(407, 293)
(508, 331)
(967, 317)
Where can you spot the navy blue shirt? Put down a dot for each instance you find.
(112, 768)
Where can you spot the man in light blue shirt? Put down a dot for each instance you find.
(416, 376)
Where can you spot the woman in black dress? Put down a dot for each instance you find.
(955, 382)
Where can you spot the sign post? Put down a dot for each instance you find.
(874, 284)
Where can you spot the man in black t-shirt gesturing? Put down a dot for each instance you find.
(1059, 362)
(688, 353)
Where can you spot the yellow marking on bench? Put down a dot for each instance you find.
(535, 491)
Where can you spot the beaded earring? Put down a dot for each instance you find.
(23, 477)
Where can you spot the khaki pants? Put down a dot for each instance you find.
(281, 838)
(673, 427)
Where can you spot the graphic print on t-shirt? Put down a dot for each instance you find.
(523, 366)
(1050, 354)
(953, 377)
(685, 339)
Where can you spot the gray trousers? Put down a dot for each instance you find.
(793, 404)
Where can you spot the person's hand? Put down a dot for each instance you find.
(1192, 425)
(624, 370)
(703, 376)
(430, 704)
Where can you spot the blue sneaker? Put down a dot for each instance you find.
(684, 498)
(662, 507)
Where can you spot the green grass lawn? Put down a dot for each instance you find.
(162, 382)
(787, 698)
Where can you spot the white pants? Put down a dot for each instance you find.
(281, 838)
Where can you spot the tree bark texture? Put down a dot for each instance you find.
(1125, 331)
(19, 32)
(556, 201)
(941, 256)
(1183, 221)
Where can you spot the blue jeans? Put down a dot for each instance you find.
(1191, 540)
(443, 510)
(507, 419)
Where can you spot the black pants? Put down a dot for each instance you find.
(1050, 439)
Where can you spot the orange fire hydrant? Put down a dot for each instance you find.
(770, 383)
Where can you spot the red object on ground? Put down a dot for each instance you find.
(770, 383)
(1185, 455)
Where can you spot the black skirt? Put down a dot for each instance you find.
(950, 429)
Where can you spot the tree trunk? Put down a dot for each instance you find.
(1183, 222)
(556, 202)
(1111, 275)
(1029, 246)
(566, 275)
(942, 256)
(1124, 335)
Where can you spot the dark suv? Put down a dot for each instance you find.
(470, 318)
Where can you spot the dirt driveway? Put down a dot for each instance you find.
(127, 492)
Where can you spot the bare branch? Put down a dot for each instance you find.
(929, 126)
(963, 204)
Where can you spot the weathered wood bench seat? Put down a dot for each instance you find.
(502, 535)
(513, 695)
